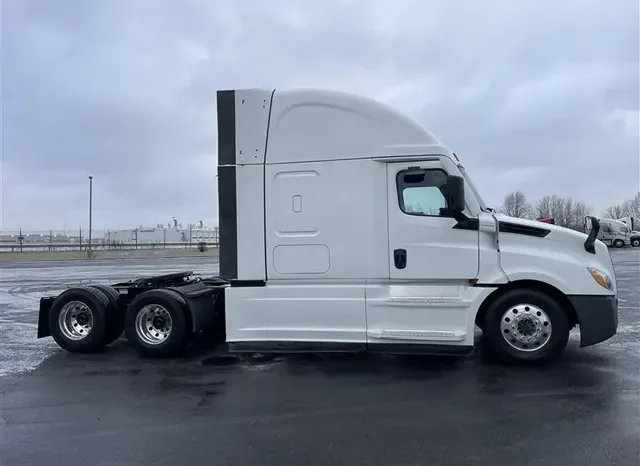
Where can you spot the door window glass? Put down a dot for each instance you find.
(420, 191)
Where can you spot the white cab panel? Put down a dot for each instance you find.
(244, 313)
(252, 107)
(429, 314)
(490, 268)
(250, 204)
(324, 220)
(314, 125)
(286, 259)
(296, 312)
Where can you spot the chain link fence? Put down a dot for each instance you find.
(137, 238)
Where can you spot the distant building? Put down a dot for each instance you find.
(158, 235)
(161, 235)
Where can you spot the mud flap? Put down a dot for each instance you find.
(43, 317)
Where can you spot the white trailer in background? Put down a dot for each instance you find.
(346, 226)
(634, 228)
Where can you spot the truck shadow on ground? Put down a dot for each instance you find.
(578, 370)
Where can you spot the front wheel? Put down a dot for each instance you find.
(526, 326)
(618, 243)
(635, 242)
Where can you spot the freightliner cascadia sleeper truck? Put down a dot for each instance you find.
(345, 226)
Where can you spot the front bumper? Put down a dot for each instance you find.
(597, 317)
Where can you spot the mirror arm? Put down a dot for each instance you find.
(459, 217)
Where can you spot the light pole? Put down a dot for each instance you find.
(90, 207)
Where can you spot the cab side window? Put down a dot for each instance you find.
(420, 191)
(606, 229)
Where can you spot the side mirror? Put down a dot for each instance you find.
(454, 193)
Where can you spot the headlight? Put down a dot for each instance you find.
(600, 277)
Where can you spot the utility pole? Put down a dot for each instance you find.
(21, 238)
(90, 207)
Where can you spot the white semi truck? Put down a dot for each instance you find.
(345, 226)
(634, 229)
(614, 233)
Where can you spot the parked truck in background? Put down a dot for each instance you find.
(634, 229)
(346, 226)
(614, 232)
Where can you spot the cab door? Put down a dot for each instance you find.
(431, 260)
(424, 244)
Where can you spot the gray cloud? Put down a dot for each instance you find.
(542, 96)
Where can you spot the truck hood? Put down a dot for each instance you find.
(558, 255)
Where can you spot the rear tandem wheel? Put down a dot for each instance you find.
(78, 319)
(156, 323)
(114, 316)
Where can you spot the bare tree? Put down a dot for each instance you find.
(566, 211)
(632, 206)
(614, 211)
(629, 208)
(516, 205)
(575, 217)
(551, 207)
(544, 208)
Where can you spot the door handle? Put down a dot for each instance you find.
(400, 258)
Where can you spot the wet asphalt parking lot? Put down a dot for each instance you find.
(117, 409)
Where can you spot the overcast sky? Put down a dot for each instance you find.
(539, 96)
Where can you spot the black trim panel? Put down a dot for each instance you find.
(467, 224)
(418, 349)
(227, 208)
(337, 347)
(295, 347)
(597, 317)
(505, 227)
(527, 230)
(247, 283)
(227, 222)
(226, 101)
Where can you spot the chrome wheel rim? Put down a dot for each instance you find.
(75, 320)
(153, 324)
(526, 327)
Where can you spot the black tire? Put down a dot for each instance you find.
(618, 243)
(635, 242)
(177, 337)
(115, 314)
(552, 344)
(97, 304)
